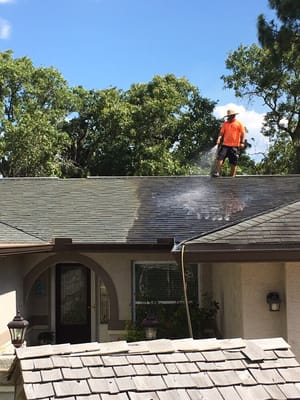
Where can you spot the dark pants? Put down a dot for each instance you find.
(232, 153)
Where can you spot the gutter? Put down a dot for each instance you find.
(67, 244)
(258, 252)
(20, 248)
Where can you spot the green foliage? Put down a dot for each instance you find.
(280, 158)
(33, 101)
(156, 128)
(49, 129)
(133, 332)
(285, 35)
(272, 73)
(172, 319)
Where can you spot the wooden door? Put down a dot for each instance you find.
(73, 303)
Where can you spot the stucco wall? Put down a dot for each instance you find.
(293, 306)
(257, 281)
(11, 291)
(227, 291)
(119, 267)
(241, 290)
(7, 393)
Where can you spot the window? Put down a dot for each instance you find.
(104, 304)
(158, 286)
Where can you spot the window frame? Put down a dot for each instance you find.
(135, 302)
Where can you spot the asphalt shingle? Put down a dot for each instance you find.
(279, 226)
(137, 209)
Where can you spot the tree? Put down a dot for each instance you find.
(156, 128)
(288, 12)
(272, 73)
(48, 129)
(171, 125)
(99, 134)
(33, 103)
(280, 158)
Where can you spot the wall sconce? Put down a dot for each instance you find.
(17, 329)
(273, 299)
(150, 326)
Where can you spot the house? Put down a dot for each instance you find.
(79, 258)
(186, 369)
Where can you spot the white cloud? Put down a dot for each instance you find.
(5, 29)
(253, 122)
(6, 1)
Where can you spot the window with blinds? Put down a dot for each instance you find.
(158, 284)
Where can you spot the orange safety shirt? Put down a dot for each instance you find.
(232, 132)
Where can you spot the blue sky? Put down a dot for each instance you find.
(104, 43)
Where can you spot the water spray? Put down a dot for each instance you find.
(214, 151)
(207, 160)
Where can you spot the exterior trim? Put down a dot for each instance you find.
(114, 247)
(15, 249)
(196, 252)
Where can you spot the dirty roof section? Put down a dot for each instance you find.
(135, 209)
(186, 369)
(279, 226)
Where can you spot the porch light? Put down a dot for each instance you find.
(17, 329)
(273, 299)
(150, 324)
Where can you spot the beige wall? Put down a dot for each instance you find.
(227, 291)
(11, 292)
(118, 266)
(257, 281)
(241, 290)
(293, 306)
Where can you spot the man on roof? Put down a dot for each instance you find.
(232, 136)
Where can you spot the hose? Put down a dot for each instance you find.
(188, 315)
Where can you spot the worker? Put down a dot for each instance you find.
(232, 136)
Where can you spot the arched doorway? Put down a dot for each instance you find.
(74, 278)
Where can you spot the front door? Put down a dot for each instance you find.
(73, 303)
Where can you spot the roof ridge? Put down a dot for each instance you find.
(148, 347)
(239, 177)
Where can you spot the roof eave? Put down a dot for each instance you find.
(271, 252)
(23, 248)
(115, 247)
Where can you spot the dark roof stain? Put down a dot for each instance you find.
(135, 209)
(185, 369)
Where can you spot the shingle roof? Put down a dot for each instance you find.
(186, 369)
(16, 235)
(135, 209)
(279, 226)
